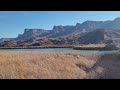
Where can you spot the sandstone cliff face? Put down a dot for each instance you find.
(31, 33)
(99, 36)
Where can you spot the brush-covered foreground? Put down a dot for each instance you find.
(40, 65)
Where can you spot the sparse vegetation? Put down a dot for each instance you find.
(111, 47)
(27, 65)
(90, 47)
(118, 53)
(96, 47)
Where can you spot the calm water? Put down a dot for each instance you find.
(65, 50)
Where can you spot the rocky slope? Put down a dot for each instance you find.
(106, 36)
(32, 33)
(99, 36)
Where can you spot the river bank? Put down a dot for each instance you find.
(100, 47)
(36, 47)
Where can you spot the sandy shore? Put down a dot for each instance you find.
(40, 65)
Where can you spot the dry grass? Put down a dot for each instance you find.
(93, 45)
(90, 47)
(40, 65)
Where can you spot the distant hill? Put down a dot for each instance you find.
(99, 36)
(81, 33)
(60, 30)
(32, 33)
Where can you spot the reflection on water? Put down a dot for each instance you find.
(65, 50)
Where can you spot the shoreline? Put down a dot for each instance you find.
(40, 47)
(74, 48)
(100, 47)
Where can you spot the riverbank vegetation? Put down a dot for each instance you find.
(96, 47)
(117, 53)
(41, 65)
(78, 47)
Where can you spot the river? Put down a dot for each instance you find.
(64, 50)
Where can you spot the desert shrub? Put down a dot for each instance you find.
(111, 47)
(118, 53)
(36, 44)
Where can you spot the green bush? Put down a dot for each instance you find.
(111, 47)
(118, 53)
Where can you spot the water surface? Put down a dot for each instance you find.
(64, 50)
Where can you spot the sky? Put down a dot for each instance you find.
(13, 23)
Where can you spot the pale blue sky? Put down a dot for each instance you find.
(13, 23)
